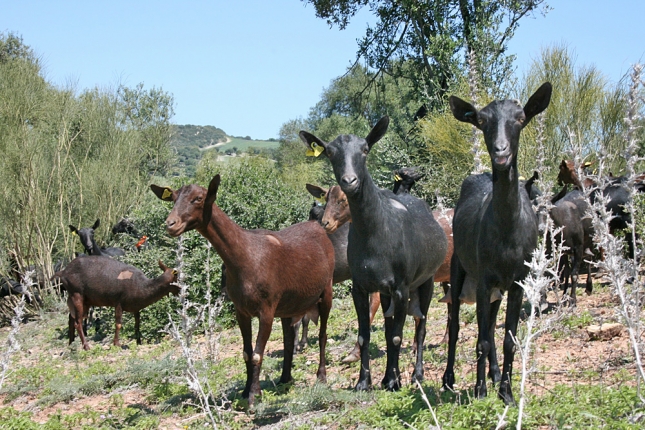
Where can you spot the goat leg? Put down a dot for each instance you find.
(118, 315)
(71, 330)
(446, 291)
(457, 278)
(137, 326)
(483, 337)
(361, 303)
(393, 337)
(75, 305)
(493, 366)
(355, 355)
(264, 331)
(515, 296)
(324, 308)
(244, 322)
(425, 292)
(289, 338)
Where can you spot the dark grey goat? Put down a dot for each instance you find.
(569, 212)
(86, 235)
(395, 247)
(102, 281)
(495, 232)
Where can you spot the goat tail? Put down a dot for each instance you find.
(58, 280)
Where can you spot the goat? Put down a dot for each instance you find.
(125, 226)
(395, 246)
(102, 281)
(283, 274)
(569, 212)
(495, 232)
(616, 190)
(337, 214)
(339, 241)
(11, 287)
(86, 235)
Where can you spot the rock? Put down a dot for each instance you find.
(604, 331)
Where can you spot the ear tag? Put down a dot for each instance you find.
(74, 233)
(174, 271)
(588, 163)
(166, 194)
(397, 178)
(315, 150)
(322, 200)
(522, 178)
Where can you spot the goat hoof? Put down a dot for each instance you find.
(391, 384)
(448, 381)
(363, 385)
(322, 376)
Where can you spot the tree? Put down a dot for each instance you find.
(69, 157)
(424, 42)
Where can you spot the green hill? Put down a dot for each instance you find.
(191, 141)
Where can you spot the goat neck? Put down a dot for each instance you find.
(153, 290)
(195, 209)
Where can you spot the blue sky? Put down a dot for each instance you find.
(248, 66)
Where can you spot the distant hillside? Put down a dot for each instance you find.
(197, 135)
(191, 141)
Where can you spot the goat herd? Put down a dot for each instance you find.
(393, 250)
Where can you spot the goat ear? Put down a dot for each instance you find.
(538, 101)
(212, 190)
(463, 111)
(316, 191)
(97, 223)
(164, 193)
(378, 131)
(315, 146)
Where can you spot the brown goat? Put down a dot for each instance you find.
(284, 274)
(337, 214)
(102, 281)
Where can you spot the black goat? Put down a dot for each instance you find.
(495, 232)
(569, 212)
(395, 247)
(86, 235)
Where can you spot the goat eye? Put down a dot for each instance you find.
(366, 151)
(481, 121)
(521, 120)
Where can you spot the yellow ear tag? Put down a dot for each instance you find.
(397, 178)
(74, 233)
(166, 193)
(322, 200)
(315, 150)
(522, 178)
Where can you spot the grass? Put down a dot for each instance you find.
(54, 385)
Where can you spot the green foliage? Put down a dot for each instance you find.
(422, 43)
(253, 194)
(585, 109)
(68, 158)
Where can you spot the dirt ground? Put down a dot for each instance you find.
(564, 354)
